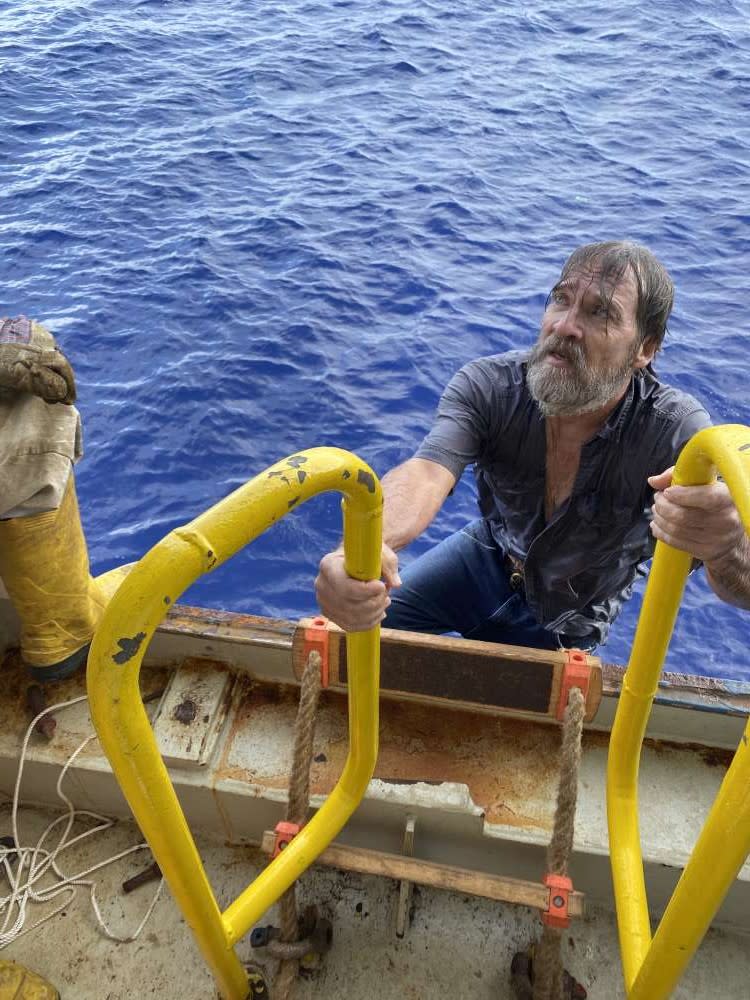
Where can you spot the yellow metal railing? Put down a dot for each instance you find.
(653, 968)
(130, 620)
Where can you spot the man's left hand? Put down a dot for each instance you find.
(701, 520)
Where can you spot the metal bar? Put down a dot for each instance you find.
(728, 449)
(660, 605)
(128, 624)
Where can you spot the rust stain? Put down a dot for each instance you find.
(72, 727)
(715, 757)
(251, 699)
(712, 756)
(185, 712)
(210, 621)
(509, 766)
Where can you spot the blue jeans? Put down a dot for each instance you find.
(463, 585)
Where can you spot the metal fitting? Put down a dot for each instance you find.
(261, 936)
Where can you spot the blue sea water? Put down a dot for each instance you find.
(260, 227)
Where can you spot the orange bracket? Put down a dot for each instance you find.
(285, 833)
(316, 638)
(576, 674)
(560, 888)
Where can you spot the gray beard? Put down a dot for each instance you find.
(561, 393)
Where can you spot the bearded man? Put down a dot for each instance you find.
(573, 446)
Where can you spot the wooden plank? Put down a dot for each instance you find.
(463, 672)
(501, 888)
(596, 688)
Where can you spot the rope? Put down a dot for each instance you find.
(299, 803)
(304, 732)
(30, 865)
(548, 968)
(561, 844)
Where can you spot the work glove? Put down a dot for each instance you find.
(30, 361)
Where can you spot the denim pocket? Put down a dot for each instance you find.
(512, 622)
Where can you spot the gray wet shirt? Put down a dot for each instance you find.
(580, 566)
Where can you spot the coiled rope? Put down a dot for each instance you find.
(31, 865)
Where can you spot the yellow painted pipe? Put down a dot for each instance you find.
(130, 620)
(720, 852)
(727, 449)
(240, 916)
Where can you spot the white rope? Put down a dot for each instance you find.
(32, 864)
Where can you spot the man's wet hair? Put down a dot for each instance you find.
(654, 286)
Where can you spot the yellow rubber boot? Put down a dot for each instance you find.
(44, 565)
(19, 983)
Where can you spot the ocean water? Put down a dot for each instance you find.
(260, 227)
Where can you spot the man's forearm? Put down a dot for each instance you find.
(413, 494)
(729, 576)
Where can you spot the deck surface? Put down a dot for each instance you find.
(456, 946)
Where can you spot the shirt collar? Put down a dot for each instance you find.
(615, 423)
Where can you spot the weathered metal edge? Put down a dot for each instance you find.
(705, 694)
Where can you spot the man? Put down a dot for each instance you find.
(43, 557)
(574, 445)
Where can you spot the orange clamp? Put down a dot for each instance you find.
(576, 674)
(560, 888)
(285, 833)
(316, 638)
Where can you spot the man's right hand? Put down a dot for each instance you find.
(355, 605)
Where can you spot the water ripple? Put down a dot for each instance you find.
(257, 228)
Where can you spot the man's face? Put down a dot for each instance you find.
(588, 344)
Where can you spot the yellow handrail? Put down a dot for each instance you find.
(124, 730)
(652, 970)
